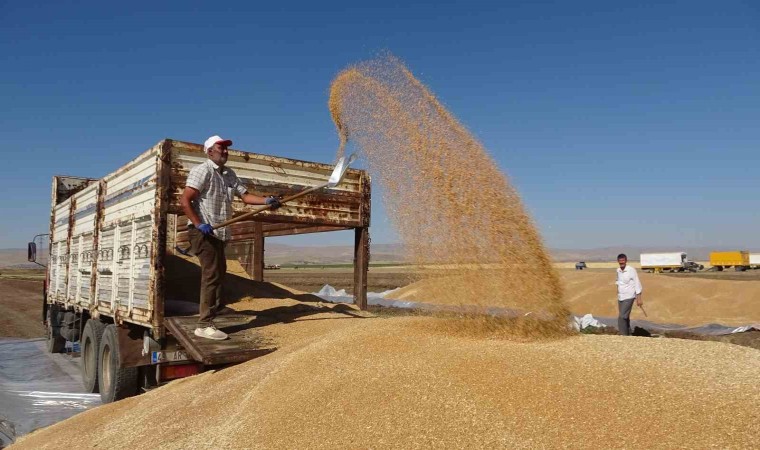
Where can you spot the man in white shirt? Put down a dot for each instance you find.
(207, 201)
(628, 290)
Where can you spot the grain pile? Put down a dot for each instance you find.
(444, 193)
(685, 301)
(392, 383)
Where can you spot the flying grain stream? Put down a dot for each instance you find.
(452, 206)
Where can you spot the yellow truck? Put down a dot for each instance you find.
(739, 260)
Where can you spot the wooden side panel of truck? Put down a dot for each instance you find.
(109, 237)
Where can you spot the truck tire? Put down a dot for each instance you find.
(114, 382)
(90, 344)
(55, 342)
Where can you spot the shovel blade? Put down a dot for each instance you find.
(340, 170)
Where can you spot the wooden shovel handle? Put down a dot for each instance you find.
(266, 207)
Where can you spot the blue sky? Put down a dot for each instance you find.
(620, 123)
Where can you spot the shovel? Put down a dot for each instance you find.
(643, 310)
(335, 178)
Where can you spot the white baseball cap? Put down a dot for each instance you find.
(215, 140)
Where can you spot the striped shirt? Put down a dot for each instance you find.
(216, 187)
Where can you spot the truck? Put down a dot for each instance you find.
(754, 260)
(113, 242)
(739, 260)
(668, 262)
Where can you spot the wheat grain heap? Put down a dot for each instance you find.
(344, 382)
(450, 203)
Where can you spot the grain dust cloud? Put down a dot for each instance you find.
(457, 215)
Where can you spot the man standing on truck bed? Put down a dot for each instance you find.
(629, 289)
(207, 200)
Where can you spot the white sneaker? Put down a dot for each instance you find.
(211, 332)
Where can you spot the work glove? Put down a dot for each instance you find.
(206, 229)
(273, 202)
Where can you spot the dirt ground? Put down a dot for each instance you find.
(21, 308)
(379, 279)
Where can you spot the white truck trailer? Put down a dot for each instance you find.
(668, 262)
(113, 242)
(754, 260)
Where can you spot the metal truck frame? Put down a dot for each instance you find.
(106, 283)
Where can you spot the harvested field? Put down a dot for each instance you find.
(399, 382)
(21, 308)
(312, 280)
(684, 300)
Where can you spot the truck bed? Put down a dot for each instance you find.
(244, 343)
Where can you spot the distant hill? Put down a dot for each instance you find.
(17, 258)
(333, 254)
(342, 254)
(610, 253)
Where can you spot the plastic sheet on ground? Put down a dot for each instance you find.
(586, 321)
(330, 294)
(37, 388)
(711, 329)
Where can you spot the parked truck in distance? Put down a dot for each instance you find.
(668, 262)
(754, 260)
(739, 260)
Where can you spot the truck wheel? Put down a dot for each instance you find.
(739, 268)
(91, 337)
(115, 382)
(55, 342)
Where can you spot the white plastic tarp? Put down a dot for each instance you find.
(330, 294)
(37, 388)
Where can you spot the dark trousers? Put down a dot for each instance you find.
(210, 252)
(624, 316)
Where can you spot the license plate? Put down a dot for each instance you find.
(162, 357)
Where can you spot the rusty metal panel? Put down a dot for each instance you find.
(160, 236)
(270, 175)
(109, 236)
(63, 188)
(82, 220)
(61, 221)
(66, 186)
(125, 241)
(59, 255)
(130, 191)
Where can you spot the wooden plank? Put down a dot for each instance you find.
(243, 344)
(257, 261)
(361, 266)
(157, 289)
(302, 230)
(361, 246)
